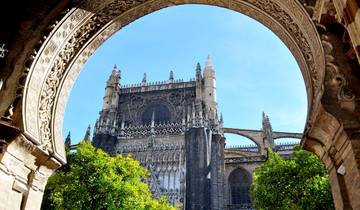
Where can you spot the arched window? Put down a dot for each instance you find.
(239, 182)
(161, 113)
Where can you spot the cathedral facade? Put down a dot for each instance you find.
(173, 128)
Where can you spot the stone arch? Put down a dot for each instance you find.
(54, 67)
(257, 142)
(239, 185)
(287, 136)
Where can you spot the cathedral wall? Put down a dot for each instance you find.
(106, 142)
(169, 105)
(166, 139)
(229, 168)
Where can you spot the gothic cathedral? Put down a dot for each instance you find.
(173, 128)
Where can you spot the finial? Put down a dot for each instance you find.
(144, 78)
(171, 76)
(266, 122)
(87, 134)
(198, 71)
(208, 62)
(153, 119)
(115, 67)
(152, 130)
(68, 140)
(198, 67)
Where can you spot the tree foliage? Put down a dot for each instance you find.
(301, 183)
(94, 180)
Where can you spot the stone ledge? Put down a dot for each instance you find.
(8, 131)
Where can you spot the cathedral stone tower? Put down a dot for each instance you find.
(209, 94)
(171, 127)
(111, 97)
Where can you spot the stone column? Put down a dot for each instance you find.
(24, 171)
(328, 139)
(197, 169)
(217, 172)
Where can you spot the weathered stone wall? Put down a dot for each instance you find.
(24, 170)
(197, 168)
(217, 176)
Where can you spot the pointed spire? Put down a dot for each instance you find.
(266, 122)
(171, 76)
(116, 71)
(144, 78)
(201, 117)
(209, 70)
(152, 130)
(123, 123)
(115, 77)
(153, 119)
(198, 68)
(68, 140)
(209, 62)
(184, 117)
(198, 72)
(87, 134)
(267, 130)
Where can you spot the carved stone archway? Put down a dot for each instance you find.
(56, 56)
(84, 29)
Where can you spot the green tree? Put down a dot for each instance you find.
(94, 180)
(301, 183)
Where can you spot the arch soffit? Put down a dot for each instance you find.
(83, 29)
(287, 137)
(257, 142)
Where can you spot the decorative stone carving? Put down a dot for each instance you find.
(345, 95)
(3, 50)
(28, 145)
(287, 19)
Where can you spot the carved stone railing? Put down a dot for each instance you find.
(145, 147)
(152, 86)
(260, 158)
(288, 146)
(160, 129)
(243, 148)
(142, 131)
(146, 130)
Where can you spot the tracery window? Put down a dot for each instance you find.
(240, 181)
(161, 113)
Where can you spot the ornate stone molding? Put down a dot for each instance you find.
(28, 145)
(3, 50)
(345, 96)
(81, 32)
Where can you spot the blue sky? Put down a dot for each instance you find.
(255, 71)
